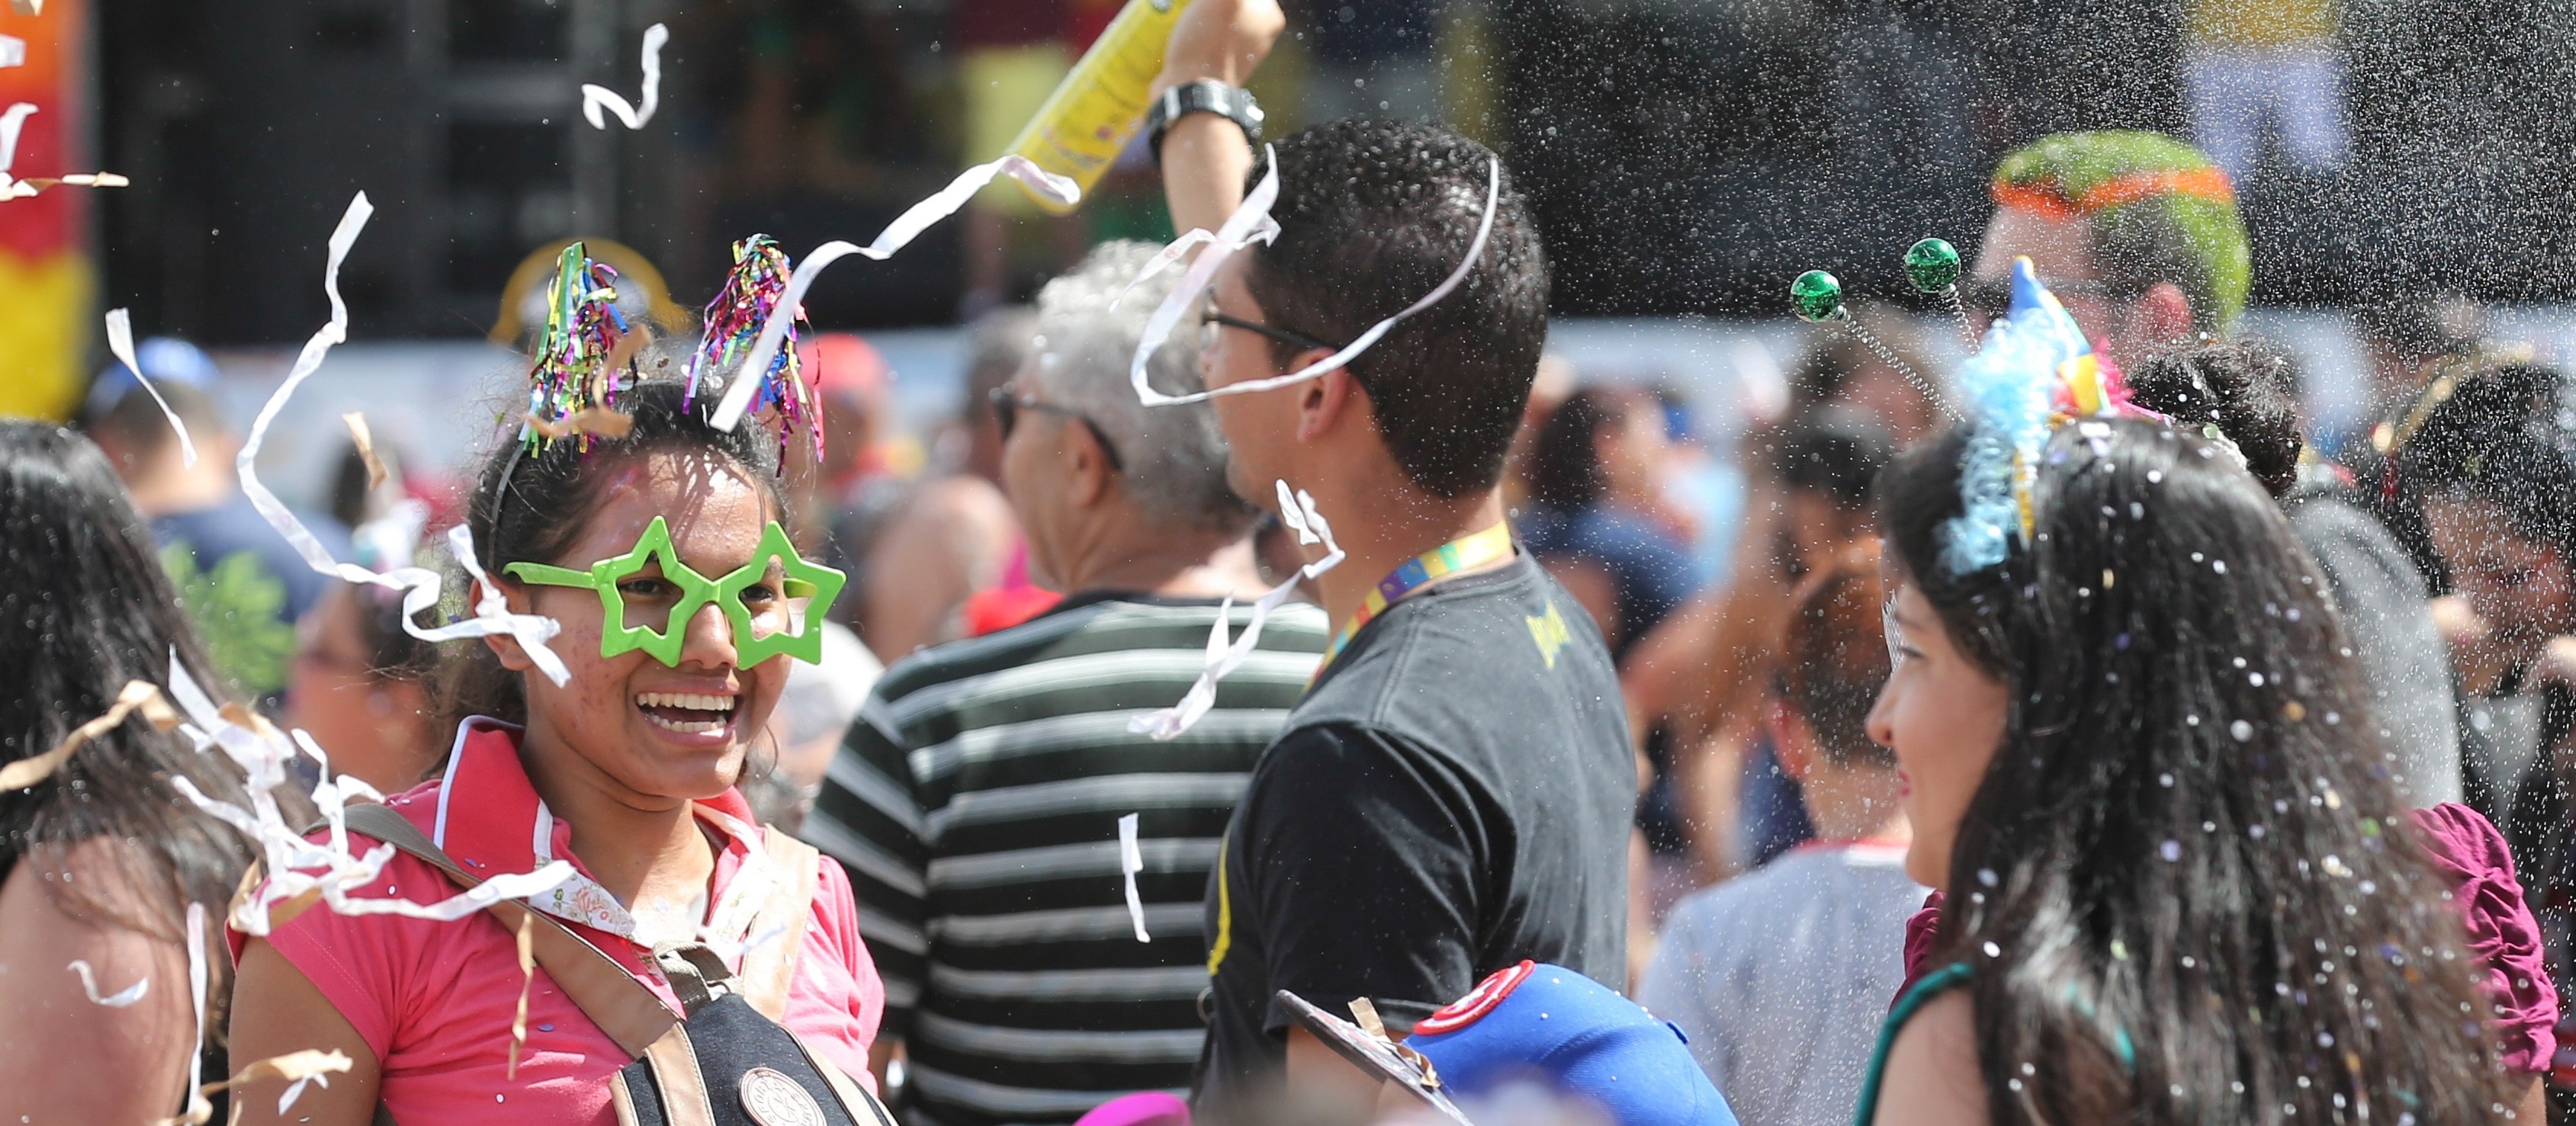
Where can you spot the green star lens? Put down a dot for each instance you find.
(793, 598)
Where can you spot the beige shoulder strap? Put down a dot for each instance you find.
(631, 1014)
(769, 968)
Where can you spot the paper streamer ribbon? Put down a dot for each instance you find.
(120, 343)
(1250, 222)
(13, 51)
(420, 586)
(137, 695)
(197, 1003)
(1185, 298)
(595, 98)
(1298, 512)
(11, 122)
(122, 998)
(299, 869)
(1131, 860)
(746, 379)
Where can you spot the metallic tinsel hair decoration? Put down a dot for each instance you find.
(587, 346)
(753, 290)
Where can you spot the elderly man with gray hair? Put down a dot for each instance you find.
(977, 801)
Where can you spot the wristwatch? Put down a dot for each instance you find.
(1207, 95)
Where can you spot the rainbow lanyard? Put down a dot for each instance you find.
(1469, 551)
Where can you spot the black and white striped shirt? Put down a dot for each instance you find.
(976, 806)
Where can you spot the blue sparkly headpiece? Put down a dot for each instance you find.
(2035, 371)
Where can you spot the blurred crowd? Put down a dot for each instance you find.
(1046, 566)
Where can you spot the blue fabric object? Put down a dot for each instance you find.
(2007, 388)
(167, 359)
(1551, 1025)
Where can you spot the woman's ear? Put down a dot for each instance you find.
(506, 646)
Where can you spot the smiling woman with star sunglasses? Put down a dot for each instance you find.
(682, 602)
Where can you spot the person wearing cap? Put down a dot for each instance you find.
(242, 582)
(1453, 793)
(2139, 235)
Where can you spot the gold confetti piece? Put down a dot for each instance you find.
(2294, 711)
(137, 694)
(28, 7)
(366, 442)
(2108, 578)
(295, 1068)
(591, 420)
(527, 978)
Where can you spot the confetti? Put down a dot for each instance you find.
(120, 343)
(1238, 232)
(1298, 512)
(137, 695)
(298, 1069)
(28, 7)
(595, 98)
(13, 51)
(527, 978)
(356, 421)
(894, 237)
(11, 122)
(1131, 860)
(420, 586)
(302, 872)
(118, 1000)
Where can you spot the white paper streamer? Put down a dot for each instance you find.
(595, 98)
(1250, 222)
(120, 343)
(420, 586)
(1185, 298)
(918, 218)
(197, 998)
(13, 51)
(1131, 860)
(13, 120)
(297, 866)
(120, 999)
(1298, 512)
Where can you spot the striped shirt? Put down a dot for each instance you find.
(976, 806)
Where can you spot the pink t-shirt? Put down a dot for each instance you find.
(434, 1000)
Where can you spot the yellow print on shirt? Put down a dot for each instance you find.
(1549, 632)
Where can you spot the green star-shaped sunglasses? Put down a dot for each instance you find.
(790, 621)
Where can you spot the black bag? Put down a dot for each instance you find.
(727, 1062)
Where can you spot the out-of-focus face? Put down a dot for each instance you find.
(1260, 428)
(2061, 252)
(1944, 718)
(1633, 453)
(372, 728)
(1033, 478)
(2520, 587)
(636, 726)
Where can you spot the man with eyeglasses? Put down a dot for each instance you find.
(1454, 793)
(2139, 235)
(976, 801)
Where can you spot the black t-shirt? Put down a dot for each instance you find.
(1452, 796)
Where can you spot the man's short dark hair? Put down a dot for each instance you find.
(137, 423)
(1372, 215)
(1834, 658)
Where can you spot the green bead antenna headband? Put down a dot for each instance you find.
(790, 623)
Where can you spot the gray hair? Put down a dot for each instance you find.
(1174, 456)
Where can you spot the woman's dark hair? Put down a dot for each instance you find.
(2244, 386)
(2185, 884)
(84, 608)
(1565, 467)
(531, 507)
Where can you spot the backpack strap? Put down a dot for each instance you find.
(769, 967)
(631, 1014)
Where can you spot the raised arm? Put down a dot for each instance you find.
(1206, 157)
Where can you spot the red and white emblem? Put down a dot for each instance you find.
(1469, 1009)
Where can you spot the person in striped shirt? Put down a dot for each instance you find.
(976, 802)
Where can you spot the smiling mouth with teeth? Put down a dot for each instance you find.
(695, 713)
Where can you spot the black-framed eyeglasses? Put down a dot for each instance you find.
(1282, 335)
(1007, 405)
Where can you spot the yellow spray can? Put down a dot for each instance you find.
(1097, 109)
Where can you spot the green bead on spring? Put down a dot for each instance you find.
(1933, 266)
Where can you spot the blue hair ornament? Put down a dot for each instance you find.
(2035, 371)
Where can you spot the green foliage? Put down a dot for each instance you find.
(240, 610)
